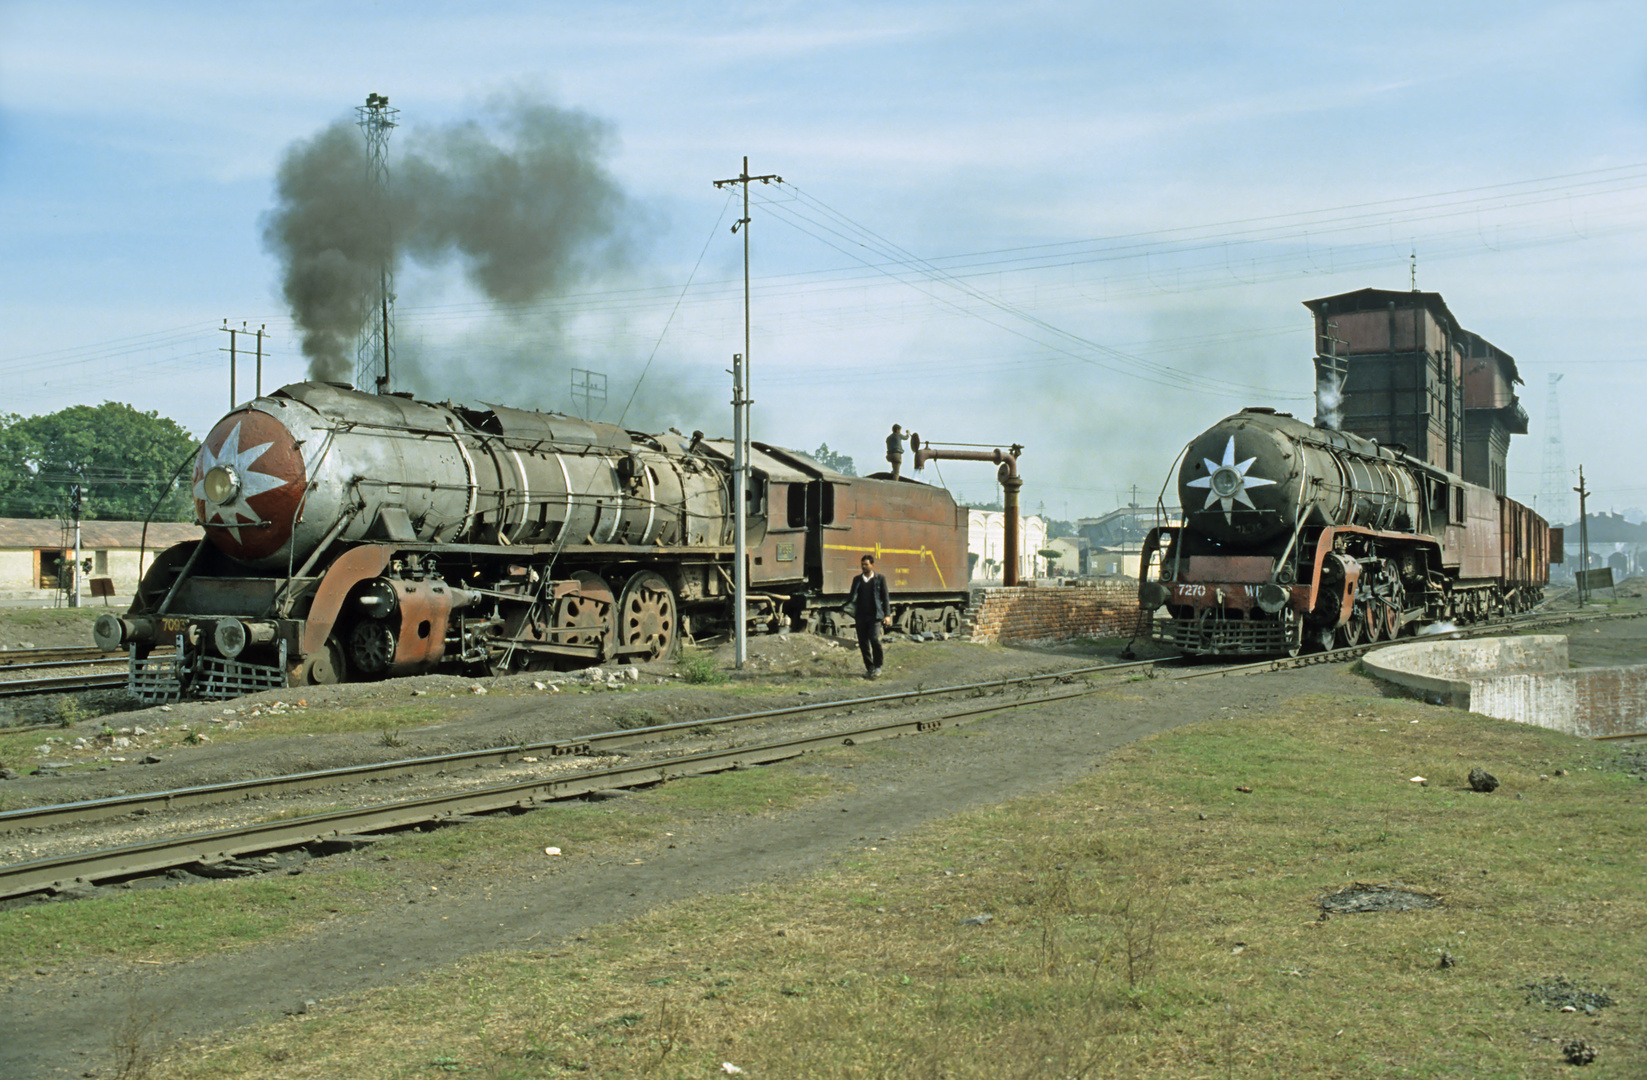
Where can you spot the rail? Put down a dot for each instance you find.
(46, 817)
(63, 872)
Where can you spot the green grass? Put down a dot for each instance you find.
(174, 923)
(212, 916)
(743, 791)
(398, 718)
(1150, 920)
(19, 749)
(20, 622)
(699, 669)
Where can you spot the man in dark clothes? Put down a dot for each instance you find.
(895, 450)
(870, 610)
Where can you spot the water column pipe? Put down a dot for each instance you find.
(1011, 484)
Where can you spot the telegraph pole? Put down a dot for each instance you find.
(261, 330)
(740, 425)
(231, 331)
(740, 513)
(376, 346)
(1583, 542)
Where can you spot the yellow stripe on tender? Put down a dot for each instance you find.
(878, 551)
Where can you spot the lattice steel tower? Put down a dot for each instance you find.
(1556, 498)
(376, 350)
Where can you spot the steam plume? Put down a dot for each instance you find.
(330, 242)
(1329, 397)
(524, 203)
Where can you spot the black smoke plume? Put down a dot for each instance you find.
(523, 201)
(328, 235)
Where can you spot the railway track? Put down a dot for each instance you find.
(35, 658)
(48, 817)
(1533, 621)
(63, 684)
(218, 847)
(98, 669)
(221, 848)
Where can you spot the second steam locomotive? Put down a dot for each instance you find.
(1299, 537)
(352, 535)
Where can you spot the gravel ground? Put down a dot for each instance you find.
(56, 1022)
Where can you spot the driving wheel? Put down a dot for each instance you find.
(1371, 615)
(646, 617)
(1349, 635)
(584, 617)
(1395, 604)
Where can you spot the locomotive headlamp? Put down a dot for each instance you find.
(221, 484)
(1226, 482)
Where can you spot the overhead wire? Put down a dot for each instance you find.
(1177, 245)
(1115, 360)
(664, 330)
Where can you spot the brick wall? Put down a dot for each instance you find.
(1048, 614)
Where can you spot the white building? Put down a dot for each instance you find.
(34, 553)
(986, 545)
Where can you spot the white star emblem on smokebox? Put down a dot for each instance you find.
(1228, 481)
(251, 482)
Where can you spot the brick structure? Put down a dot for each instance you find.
(1050, 614)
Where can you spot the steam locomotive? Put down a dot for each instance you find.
(1296, 537)
(359, 536)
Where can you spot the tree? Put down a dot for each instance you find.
(123, 459)
(829, 459)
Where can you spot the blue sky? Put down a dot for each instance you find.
(1083, 227)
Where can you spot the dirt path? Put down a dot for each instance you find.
(62, 1024)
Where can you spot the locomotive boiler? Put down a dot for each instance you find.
(357, 536)
(1298, 537)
